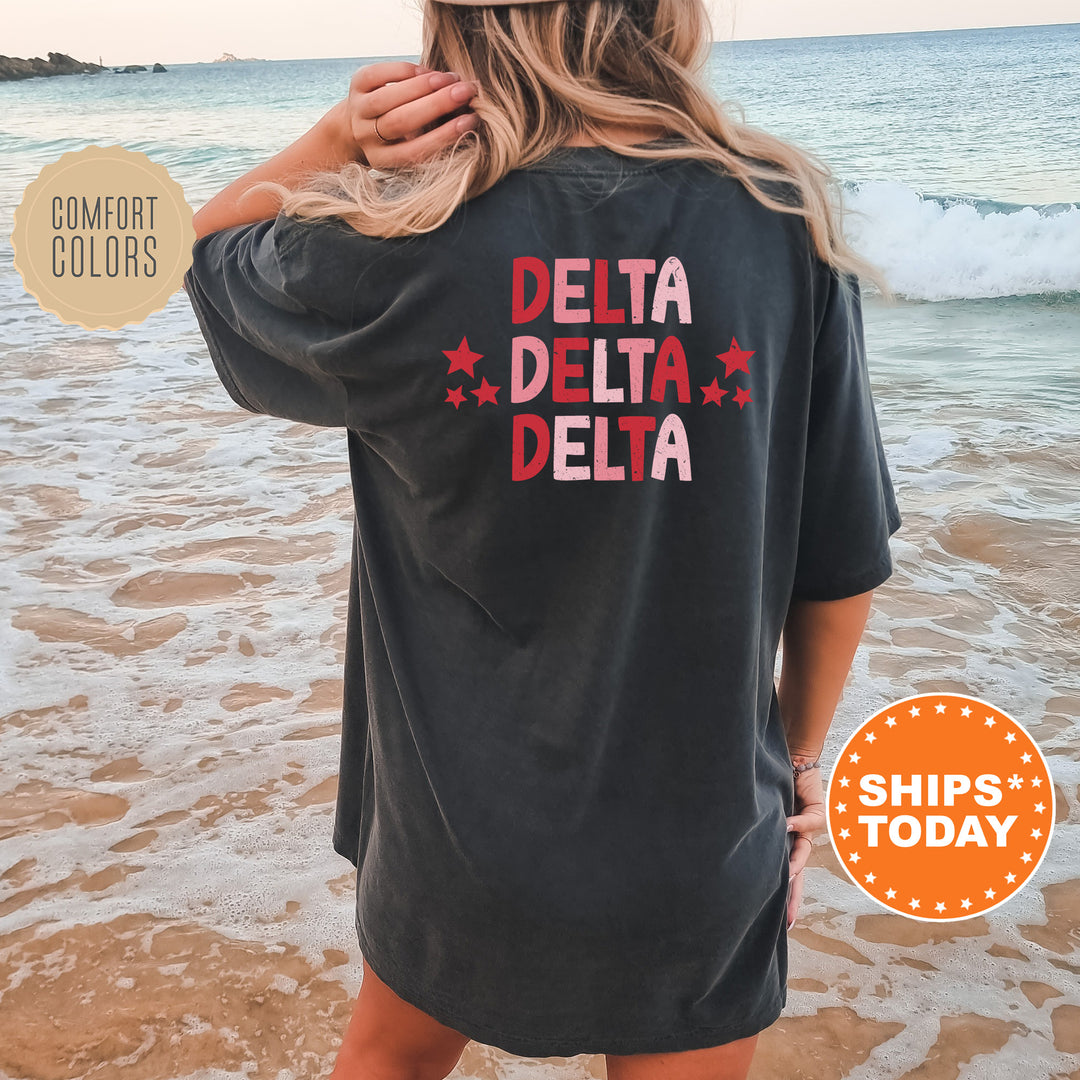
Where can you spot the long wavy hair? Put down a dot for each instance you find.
(550, 72)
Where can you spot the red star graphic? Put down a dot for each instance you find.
(713, 392)
(455, 396)
(742, 396)
(485, 392)
(462, 358)
(735, 358)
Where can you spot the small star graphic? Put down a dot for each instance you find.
(1036, 833)
(1039, 808)
(1011, 737)
(989, 721)
(854, 856)
(845, 781)
(939, 906)
(854, 757)
(965, 711)
(870, 879)
(891, 721)
(965, 903)
(890, 894)
(742, 395)
(735, 358)
(913, 903)
(1036, 781)
(914, 710)
(1025, 758)
(485, 392)
(1010, 878)
(462, 358)
(713, 392)
(1026, 857)
(1015, 781)
(939, 708)
(844, 834)
(870, 736)
(841, 807)
(455, 396)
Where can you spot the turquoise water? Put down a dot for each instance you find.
(961, 146)
(981, 114)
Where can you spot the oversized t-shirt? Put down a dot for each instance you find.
(603, 425)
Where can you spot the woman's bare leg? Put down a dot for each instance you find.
(728, 1062)
(389, 1039)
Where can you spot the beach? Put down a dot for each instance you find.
(175, 589)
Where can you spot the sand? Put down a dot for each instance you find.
(170, 903)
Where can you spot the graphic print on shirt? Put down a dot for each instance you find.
(539, 369)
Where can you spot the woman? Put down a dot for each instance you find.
(597, 349)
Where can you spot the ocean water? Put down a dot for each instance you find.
(175, 571)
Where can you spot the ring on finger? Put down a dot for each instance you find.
(380, 134)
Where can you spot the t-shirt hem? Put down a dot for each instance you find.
(205, 315)
(343, 849)
(565, 1044)
(842, 588)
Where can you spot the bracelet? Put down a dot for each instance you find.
(796, 769)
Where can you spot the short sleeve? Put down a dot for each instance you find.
(848, 510)
(244, 284)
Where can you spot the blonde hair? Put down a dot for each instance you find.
(548, 72)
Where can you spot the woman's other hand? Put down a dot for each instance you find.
(406, 99)
(808, 820)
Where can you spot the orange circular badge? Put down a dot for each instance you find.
(940, 807)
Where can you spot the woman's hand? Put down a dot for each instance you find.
(808, 820)
(405, 99)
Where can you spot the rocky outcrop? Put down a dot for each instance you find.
(14, 67)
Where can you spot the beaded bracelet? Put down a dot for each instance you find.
(796, 769)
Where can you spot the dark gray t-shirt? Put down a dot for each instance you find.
(603, 425)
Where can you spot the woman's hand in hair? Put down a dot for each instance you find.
(419, 112)
(416, 109)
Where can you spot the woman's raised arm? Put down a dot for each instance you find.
(404, 97)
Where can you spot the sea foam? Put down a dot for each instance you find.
(933, 247)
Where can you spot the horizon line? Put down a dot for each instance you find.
(715, 41)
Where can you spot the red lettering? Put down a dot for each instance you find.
(602, 314)
(560, 369)
(538, 268)
(637, 426)
(520, 470)
(670, 367)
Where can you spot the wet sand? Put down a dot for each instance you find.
(170, 903)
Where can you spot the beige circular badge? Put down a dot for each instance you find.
(103, 237)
